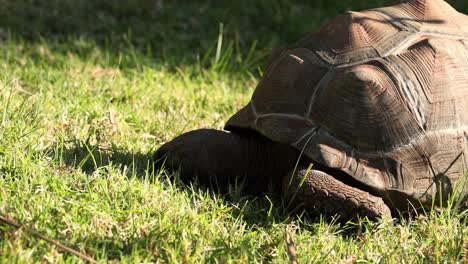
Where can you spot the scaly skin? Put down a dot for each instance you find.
(325, 194)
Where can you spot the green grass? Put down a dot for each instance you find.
(88, 89)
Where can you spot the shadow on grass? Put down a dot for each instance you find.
(132, 33)
(173, 32)
(89, 158)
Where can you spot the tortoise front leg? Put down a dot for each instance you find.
(318, 191)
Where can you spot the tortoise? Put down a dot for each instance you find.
(367, 117)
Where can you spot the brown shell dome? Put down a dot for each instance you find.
(380, 94)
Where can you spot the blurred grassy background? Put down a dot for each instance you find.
(177, 31)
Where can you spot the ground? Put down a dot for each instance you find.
(89, 89)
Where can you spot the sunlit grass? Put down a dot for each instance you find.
(84, 103)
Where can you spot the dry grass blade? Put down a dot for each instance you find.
(37, 235)
(290, 243)
(112, 120)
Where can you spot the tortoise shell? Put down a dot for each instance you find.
(381, 95)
